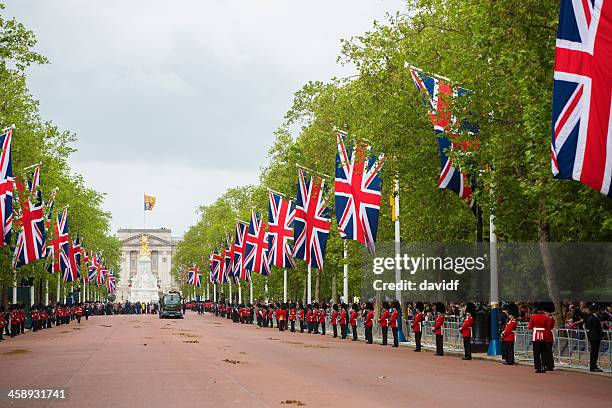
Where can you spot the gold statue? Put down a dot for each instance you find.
(144, 245)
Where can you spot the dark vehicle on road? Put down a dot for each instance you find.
(170, 305)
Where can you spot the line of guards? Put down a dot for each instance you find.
(313, 316)
(12, 323)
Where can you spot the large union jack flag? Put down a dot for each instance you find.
(215, 267)
(256, 252)
(111, 283)
(239, 251)
(358, 192)
(92, 269)
(312, 221)
(437, 95)
(581, 146)
(76, 253)
(228, 259)
(194, 276)
(102, 272)
(6, 188)
(280, 231)
(31, 239)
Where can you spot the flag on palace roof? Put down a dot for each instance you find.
(149, 202)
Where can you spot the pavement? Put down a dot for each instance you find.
(142, 361)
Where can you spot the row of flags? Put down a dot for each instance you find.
(33, 222)
(581, 150)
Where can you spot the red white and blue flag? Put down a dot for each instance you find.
(6, 187)
(92, 269)
(194, 277)
(228, 260)
(111, 284)
(31, 239)
(358, 188)
(63, 248)
(280, 231)
(75, 257)
(312, 221)
(256, 252)
(239, 251)
(215, 267)
(581, 146)
(438, 95)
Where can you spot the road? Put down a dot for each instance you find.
(142, 361)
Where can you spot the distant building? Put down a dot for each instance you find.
(163, 247)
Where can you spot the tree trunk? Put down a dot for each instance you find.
(549, 266)
(317, 285)
(333, 288)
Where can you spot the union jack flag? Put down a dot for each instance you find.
(280, 231)
(31, 239)
(49, 209)
(75, 257)
(229, 261)
(239, 251)
(312, 221)
(111, 284)
(102, 271)
(86, 263)
(358, 188)
(437, 95)
(581, 146)
(194, 276)
(215, 267)
(93, 267)
(256, 259)
(6, 187)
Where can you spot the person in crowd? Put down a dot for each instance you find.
(353, 320)
(343, 320)
(369, 323)
(301, 317)
(438, 329)
(594, 334)
(292, 317)
(417, 324)
(507, 335)
(538, 324)
(393, 319)
(466, 330)
(333, 320)
(315, 318)
(79, 312)
(383, 322)
(322, 317)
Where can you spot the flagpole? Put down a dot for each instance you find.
(251, 292)
(47, 290)
(345, 273)
(32, 295)
(215, 292)
(284, 286)
(309, 284)
(266, 288)
(207, 292)
(230, 291)
(494, 345)
(398, 273)
(58, 288)
(14, 285)
(239, 293)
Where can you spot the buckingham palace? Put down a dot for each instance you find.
(162, 246)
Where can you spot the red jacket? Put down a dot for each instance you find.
(322, 316)
(353, 319)
(301, 315)
(508, 333)
(292, 315)
(2, 321)
(281, 314)
(393, 319)
(247, 311)
(309, 315)
(383, 320)
(538, 323)
(342, 318)
(333, 318)
(466, 327)
(437, 329)
(417, 325)
(369, 320)
(315, 316)
(548, 334)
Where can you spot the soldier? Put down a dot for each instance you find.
(507, 334)
(369, 322)
(292, 317)
(281, 319)
(343, 320)
(79, 312)
(22, 318)
(383, 322)
(394, 316)
(438, 328)
(271, 313)
(35, 318)
(322, 316)
(538, 323)
(466, 331)
(333, 320)
(353, 320)
(309, 318)
(315, 318)
(14, 320)
(549, 337)
(301, 317)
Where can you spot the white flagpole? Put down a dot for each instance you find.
(398, 274)
(345, 272)
(251, 292)
(309, 284)
(230, 291)
(47, 290)
(215, 292)
(32, 295)
(207, 292)
(284, 286)
(15, 286)
(58, 287)
(239, 293)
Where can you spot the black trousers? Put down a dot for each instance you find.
(22, 327)
(354, 329)
(368, 334)
(34, 325)
(508, 352)
(316, 327)
(14, 330)
(539, 356)
(293, 325)
(301, 326)
(335, 328)
(395, 338)
(467, 348)
(550, 359)
(417, 340)
(343, 331)
(323, 328)
(385, 331)
(439, 345)
(594, 353)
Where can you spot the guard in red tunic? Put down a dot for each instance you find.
(301, 317)
(333, 320)
(369, 322)
(466, 331)
(322, 316)
(507, 334)
(292, 316)
(14, 320)
(34, 314)
(417, 325)
(393, 318)
(247, 314)
(281, 319)
(79, 312)
(383, 322)
(438, 328)
(549, 337)
(309, 318)
(353, 320)
(343, 320)
(315, 318)
(538, 324)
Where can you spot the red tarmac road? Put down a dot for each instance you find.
(141, 361)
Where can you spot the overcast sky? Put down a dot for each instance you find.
(179, 98)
